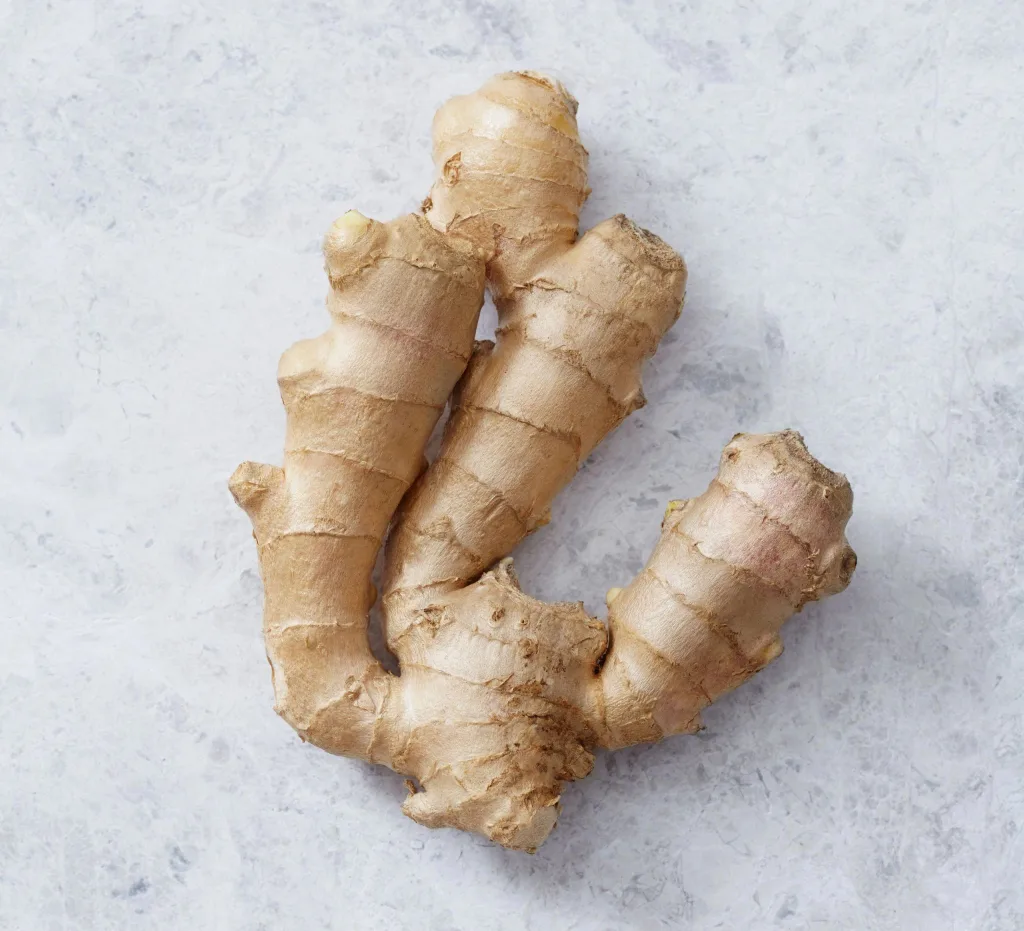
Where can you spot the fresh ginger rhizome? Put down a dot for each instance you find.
(502, 698)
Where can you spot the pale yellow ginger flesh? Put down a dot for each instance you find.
(503, 698)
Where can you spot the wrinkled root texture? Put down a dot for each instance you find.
(501, 697)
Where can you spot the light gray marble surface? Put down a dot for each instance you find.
(846, 181)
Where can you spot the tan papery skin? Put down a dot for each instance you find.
(502, 698)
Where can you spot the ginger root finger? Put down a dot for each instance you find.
(361, 401)
(511, 174)
(732, 565)
(577, 321)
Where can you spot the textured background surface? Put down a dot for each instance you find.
(845, 180)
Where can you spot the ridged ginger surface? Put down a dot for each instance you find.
(503, 698)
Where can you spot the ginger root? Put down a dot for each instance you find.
(503, 698)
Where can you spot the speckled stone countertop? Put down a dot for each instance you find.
(846, 181)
